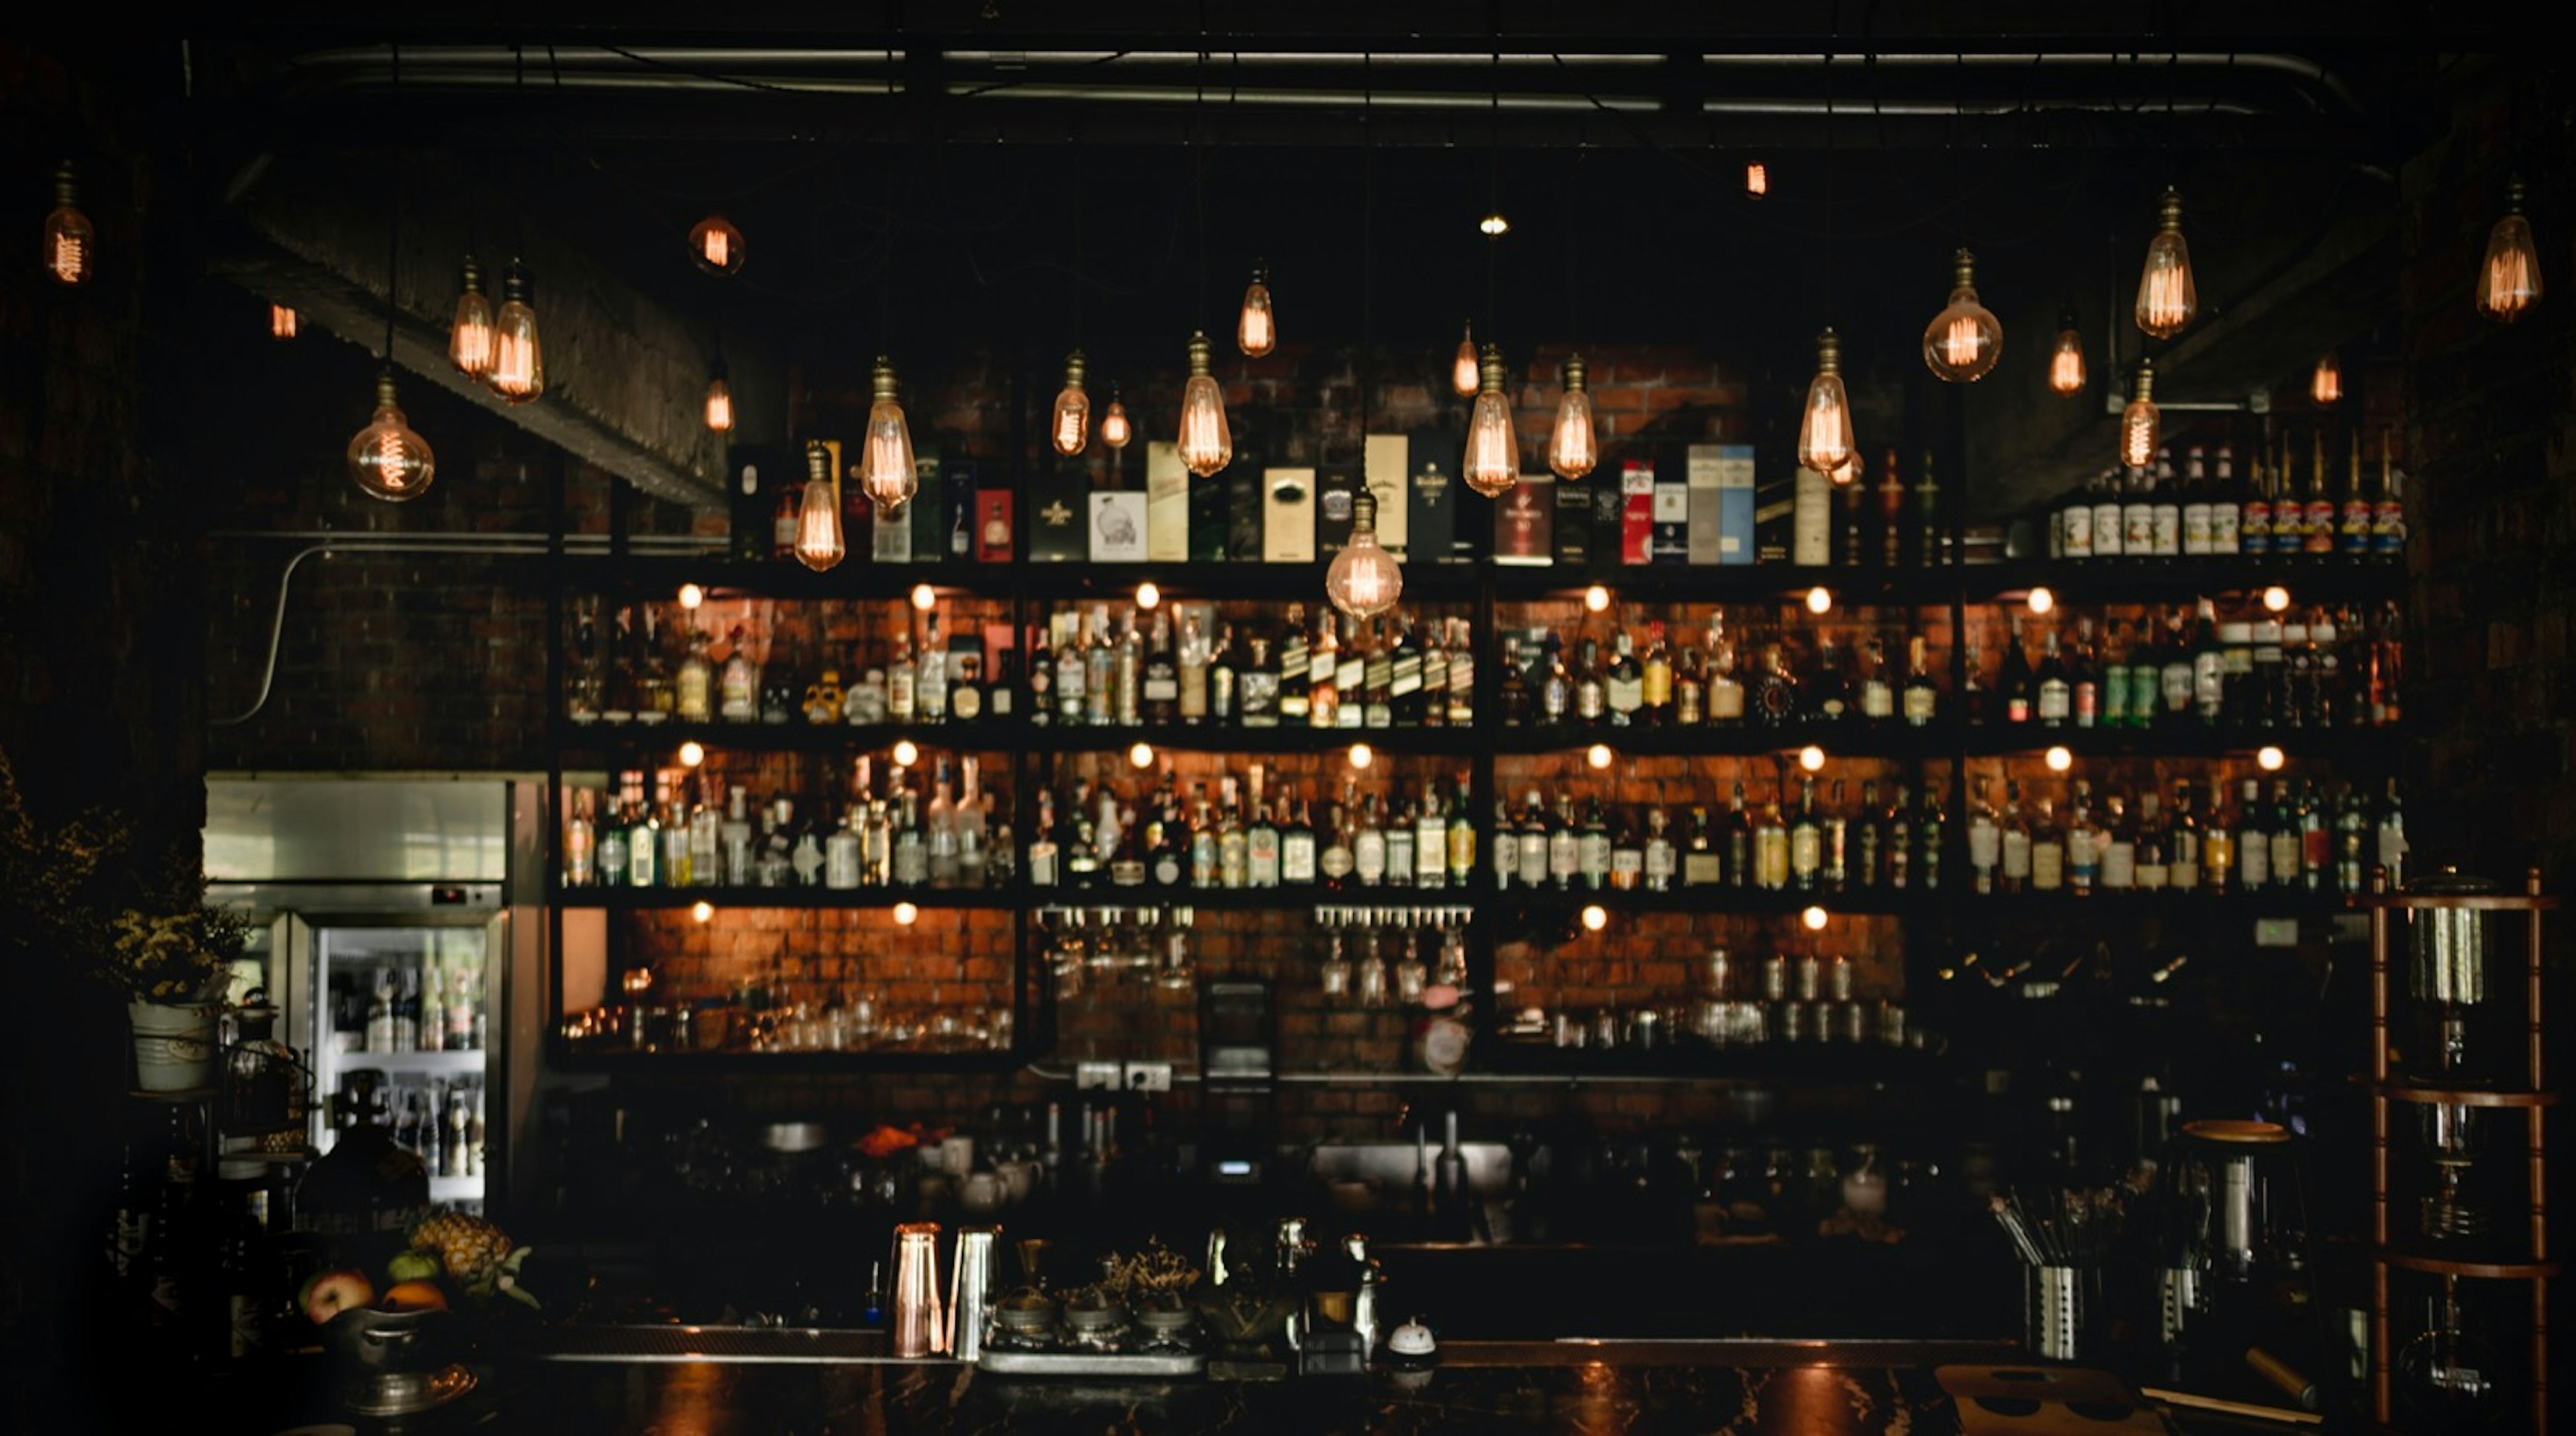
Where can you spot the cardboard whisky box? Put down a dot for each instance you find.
(1525, 520)
(1060, 517)
(993, 536)
(1637, 511)
(1671, 543)
(1573, 538)
(1385, 461)
(1288, 515)
(1167, 504)
(1705, 543)
(1432, 497)
(1335, 486)
(1118, 518)
(1736, 522)
(1210, 524)
(929, 508)
(1243, 510)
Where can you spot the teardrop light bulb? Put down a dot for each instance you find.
(886, 475)
(1256, 330)
(2140, 421)
(282, 320)
(518, 358)
(1207, 444)
(1364, 579)
(469, 332)
(1965, 339)
(1464, 370)
(719, 407)
(1757, 178)
(2325, 383)
(386, 458)
(2167, 298)
(818, 518)
(1069, 429)
(1825, 442)
(1493, 463)
(2066, 361)
(69, 238)
(1571, 450)
(2509, 279)
(1113, 423)
(716, 245)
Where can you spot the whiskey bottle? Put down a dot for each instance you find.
(1462, 676)
(1564, 847)
(2226, 505)
(2047, 850)
(1225, 681)
(933, 677)
(1431, 709)
(1658, 863)
(693, 695)
(1351, 677)
(1591, 689)
(1806, 841)
(1377, 685)
(1460, 842)
(1404, 679)
(1655, 699)
(1929, 827)
(2053, 694)
(1513, 690)
(1259, 685)
(2084, 843)
(2016, 684)
(1160, 688)
(1323, 691)
(2013, 873)
(1192, 699)
(1739, 842)
(1623, 685)
(2195, 502)
(1297, 850)
(1296, 669)
(1127, 674)
(1430, 840)
(1725, 689)
(1771, 859)
(1922, 694)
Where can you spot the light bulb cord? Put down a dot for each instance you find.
(393, 223)
(1494, 188)
(1366, 368)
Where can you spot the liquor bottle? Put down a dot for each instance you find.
(1161, 687)
(1690, 688)
(1127, 674)
(2226, 505)
(939, 826)
(1975, 698)
(1591, 686)
(2353, 536)
(1430, 840)
(1623, 684)
(1655, 697)
(2013, 873)
(706, 840)
(1774, 699)
(2016, 685)
(2138, 513)
(2195, 502)
(2317, 531)
(1203, 858)
(2208, 667)
(2146, 677)
(2106, 516)
(1806, 841)
(1041, 678)
(1225, 680)
(903, 683)
(2389, 836)
(1191, 676)
(693, 694)
(1296, 670)
(2286, 841)
(1431, 708)
(1810, 520)
(1891, 512)
(2254, 848)
(2254, 510)
(2152, 852)
(2164, 502)
(1099, 671)
(1703, 862)
(643, 839)
(1530, 838)
(2297, 677)
(1739, 843)
(407, 1012)
(2117, 847)
(1826, 691)
(1323, 689)
(1513, 697)
(1985, 841)
(2183, 842)
(2334, 706)
(1659, 862)
(1869, 840)
(1460, 839)
(1897, 846)
(2047, 850)
(1877, 685)
(1847, 549)
(1564, 846)
(2084, 678)
(932, 680)
(2053, 693)
(1377, 686)
(910, 864)
(1771, 846)
(1404, 678)
(1261, 842)
(2316, 829)
(1592, 847)
(1128, 866)
(1368, 844)
(1725, 689)
(581, 842)
(1462, 675)
(1555, 684)
(2219, 839)
(1297, 847)
(1351, 678)
(2084, 843)
(1834, 869)
(1931, 821)
(2388, 515)
(380, 1012)
(1258, 688)
(2177, 678)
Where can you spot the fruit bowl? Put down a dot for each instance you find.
(377, 1340)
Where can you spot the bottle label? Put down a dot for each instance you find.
(2357, 526)
(2106, 531)
(2253, 864)
(2196, 537)
(2047, 866)
(2208, 683)
(1725, 701)
(2137, 529)
(2178, 686)
(2083, 857)
(2166, 534)
(1876, 701)
(2075, 531)
(1920, 700)
(2016, 856)
(2223, 523)
(1626, 695)
(2056, 701)
(2088, 703)
(2388, 528)
(2254, 526)
(2120, 864)
(1984, 844)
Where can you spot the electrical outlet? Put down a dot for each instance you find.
(1088, 1075)
(1149, 1076)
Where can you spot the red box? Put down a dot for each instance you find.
(993, 534)
(1637, 512)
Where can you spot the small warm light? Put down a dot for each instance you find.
(2276, 599)
(692, 753)
(68, 235)
(716, 245)
(2268, 758)
(702, 910)
(1599, 755)
(691, 595)
(1464, 370)
(2141, 423)
(1363, 580)
(1148, 595)
(1141, 756)
(1595, 917)
(1964, 340)
(719, 405)
(906, 753)
(2325, 385)
(1596, 599)
(1256, 329)
(469, 331)
(2042, 599)
(1820, 599)
(1069, 427)
(1813, 918)
(819, 544)
(924, 597)
(1113, 423)
(886, 473)
(518, 369)
(2167, 298)
(281, 322)
(1757, 178)
(906, 914)
(2066, 361)
(2509, 276)
(2058, 758)
(1825, 440)
(1493, 225)
(1206, 440)
(1362, 755)
(1493, 463)
(387, 459)
(1812, 758)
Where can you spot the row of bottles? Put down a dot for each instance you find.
(1244, 837)
(2145, 512)
(428, 1007)
(1784, 845)
(2292, 840)
(1709, 684)
(2329, 669)
(894, 834)
(1343, 673)
(927, 676)
(442, 1123)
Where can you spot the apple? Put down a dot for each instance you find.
(332, 1292)
(413, 1266)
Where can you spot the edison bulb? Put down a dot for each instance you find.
(469, 331)
(1825, 441)
(1207, 444)
(1465, 373)
(1364, 579)
(1113, 423)
(2066, 361)
(818, 517)
(1599, 756)
(281, 322)
(1571, 451)
(1757, 178)
(69, 237)
(1813, 918)
(2325, 382)
(1964, 340)
(886, 474)
(2509, 279)
(2167, 298)
(1256, 329)
(386, 458)
(716, 245)
(518, 372)
(2058, 758)
(2139, 423)
(1493, 463)
(2269, 758)
(1595, 917)
(1070, 427)
(1361, 755)
(719, 403)
(1811, 759)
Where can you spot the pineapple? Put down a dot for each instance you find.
(469, 1247)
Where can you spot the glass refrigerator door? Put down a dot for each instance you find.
(411, 1001)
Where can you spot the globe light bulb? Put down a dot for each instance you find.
(1812, 918)
(692, 753)
(1149, 595)
(2041, 599)
(1820, 600)
(1757, 178)
(716, 245)
(2167, 299)
(2139, 423)
(924, 598)
(281, 322)
(719, 407)
(818, 517)
(886, 474)
(906, 914)
(469, 333)
(1256, 329)
(905, 753)
(2066, 361)
(1571, 451)
(2276, 599)
(1595, 917)
(1207, 445)
(1493, 463)
(1364, 579)
(1599, 756)
(692, 596)
(2325, 385)
(1811, 759)
(1825, 441)
(2509, 279)
(702, 910)
(1069, 428)
(1596, 599)
(69, 238)
(1964, 340)
(2058, 758)
(1141, 756)
(518, 372)
(1493, 225)
(1113, 423)
(1361, 755)
(1465, 372)
(386, 458)
(2268, 758)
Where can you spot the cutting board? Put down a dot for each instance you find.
(2047, 1401)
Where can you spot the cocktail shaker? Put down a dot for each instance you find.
(918, 1329)
(970, 1290)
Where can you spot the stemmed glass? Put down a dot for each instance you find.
(2451, 1138)
(2447, 1374)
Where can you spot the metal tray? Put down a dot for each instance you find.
(1084, 1363)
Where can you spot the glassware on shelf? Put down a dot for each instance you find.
(2447, 980)
(2452, 1135)
(2447, 1373)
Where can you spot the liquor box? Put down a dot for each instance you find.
(1609, 514)
(1572, 542)
(929, 512)
(1775, 503)
(1736, 521)
(1288, 515)
(1431, 504)
(1672, 514)
(1167, 503)
(993, 526)
(889, 535)
(1243, 510)
(755, 476)
(1700, 481)
(1384, 467)
(1060, 517)
(1335, 486)
(1118, 518)
(1210, 524)
(1525, 521)
(1636, 511)
(958, 483)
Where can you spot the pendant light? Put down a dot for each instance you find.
(719, 406)
(387, 459)
(2509, 279)
(518, 371)
(469, 332)
(2325, 383)
(2139, 422)
(69, 237)
(1114, 432)
(2066, 361)
(1964, 340)
(1571, 449)
(818, 517)
(1256, 329)
(1757, 178)
(886, 475)
(1206, 443)
(282, 321)
(1493, 463)
(1364, 579)
(716, 245)
(2167, 298)
(1069, 428)
(1464, 370)
(1825, 442)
